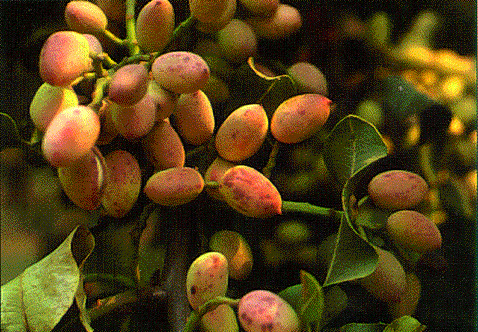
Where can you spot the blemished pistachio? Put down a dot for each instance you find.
(123, 183)
(180, 71)
(242, 133)
(300, 117)
(261, 310)
(250, 193)
(207, 278)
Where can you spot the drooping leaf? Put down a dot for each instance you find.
(9, 135)
(405, 324)
(353, 257)
(311, 299)
(38, 298)
(250, 86)
(351, 145)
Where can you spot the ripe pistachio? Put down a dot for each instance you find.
(397, 189)
(414, 231)
(174, 186)
(250, 193)
(300, 117)
(388, 281)
(261, 310)
(207, 278)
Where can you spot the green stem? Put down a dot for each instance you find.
(111, 36)
(267, 170)
(97, 65)
(99, 92)
(195, 316)
(131, 28)
(310, 209)
(106, 60)
(211, 184)
(179, 32)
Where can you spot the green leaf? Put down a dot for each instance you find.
(9, 135)
(401, 99)
(292, 296)
(405, 324)
(306, 298)
(353, 257)
(38, 298)
(355, 191)
(250, 86)
(311, 299)
(351, 145)
(363, 327)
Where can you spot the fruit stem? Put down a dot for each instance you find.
(310, 209)
(111, 36)
(211, 184)
(99, 93)
(272, 160)
(178, 33)
(131, 40)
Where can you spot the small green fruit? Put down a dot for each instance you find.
(49, 101)
(237, 251)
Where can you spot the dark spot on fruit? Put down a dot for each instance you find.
(267, 327)
(246, 319)
(193, 290)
